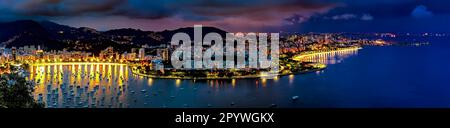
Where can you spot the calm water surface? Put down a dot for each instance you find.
(392, 76)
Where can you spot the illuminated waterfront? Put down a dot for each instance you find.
(80, 84)
(89, 85)
(328, 57)
(370, 77)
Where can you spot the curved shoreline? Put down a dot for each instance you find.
(223, 78)
(307, 54)
(191, 78)
(78, 63)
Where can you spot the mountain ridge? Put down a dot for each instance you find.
(54, 36)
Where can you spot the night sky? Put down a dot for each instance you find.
(239, 15)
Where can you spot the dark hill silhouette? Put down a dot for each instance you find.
(51, 35)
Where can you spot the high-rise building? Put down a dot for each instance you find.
(40, 54)
(131, 56)
(141, 53)
(163, 53)
(2, 51)
(14, 52)
(32, 48)
(133, 50)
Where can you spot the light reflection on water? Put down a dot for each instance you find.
(377, 77)
(92, 85)
(109, 85)
(334, 57)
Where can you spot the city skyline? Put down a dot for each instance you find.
(226, 63)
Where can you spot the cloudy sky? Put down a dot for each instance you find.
(239, 15)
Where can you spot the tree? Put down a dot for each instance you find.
(16, 92)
